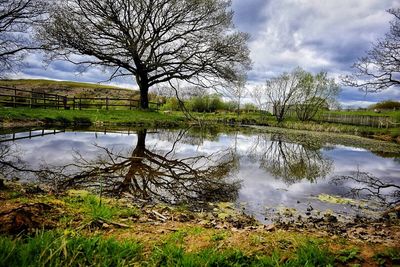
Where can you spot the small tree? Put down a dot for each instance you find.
(155, 41)
(314, 93)
(257, 94)
(237, 91)
(282, 92)
(380, 68)
(16, 19)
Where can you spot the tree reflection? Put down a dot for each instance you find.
(150, 175)
(367, 185)
(11, 165)
(293, 161)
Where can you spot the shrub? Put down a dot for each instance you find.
(388, 104)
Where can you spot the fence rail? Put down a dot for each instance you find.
(13, 97)
(363, 120)
(28, 135)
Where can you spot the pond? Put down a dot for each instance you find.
(267, 173)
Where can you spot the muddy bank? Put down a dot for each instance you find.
(26, 208)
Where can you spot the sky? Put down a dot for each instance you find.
(317, 35)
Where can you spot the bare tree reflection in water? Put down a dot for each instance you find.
(364, 184)
(149, 175)
(12, 167)
(290, 160)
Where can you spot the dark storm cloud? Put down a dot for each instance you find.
(249, 15)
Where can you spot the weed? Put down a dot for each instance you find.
(388, 257)
(90, 205)
(219, 236)
(312, 254)
(347, 255)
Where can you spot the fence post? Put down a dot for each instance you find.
(130, 104)
(44, 100)
(107, 103)
(80, 103)
(65, 99)
(73, 103)
(15, 98)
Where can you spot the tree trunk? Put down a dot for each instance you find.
(144, 97)
(143, 83)
(141, 142)
(130, 183)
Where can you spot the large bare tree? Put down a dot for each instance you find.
(380, 68)
(16, 19)
(155, 41)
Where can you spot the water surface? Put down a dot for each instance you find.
(267, 174)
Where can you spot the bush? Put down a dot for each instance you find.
(389, 104)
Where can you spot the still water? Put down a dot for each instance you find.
(266, 174)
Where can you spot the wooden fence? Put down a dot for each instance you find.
(27, 135)
(363, 120)
(352, 119)
(12, 97)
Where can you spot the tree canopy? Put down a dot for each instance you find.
(155, 41)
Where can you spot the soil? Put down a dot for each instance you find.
(22, 218)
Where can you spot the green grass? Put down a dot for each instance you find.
(53, 116)
(54, 249)
(95, 208)
(308, 254)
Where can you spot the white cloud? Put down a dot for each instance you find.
(315, 34)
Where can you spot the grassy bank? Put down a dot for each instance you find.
(386, 134)
(15, 116)
(78, 228)
(11, 117)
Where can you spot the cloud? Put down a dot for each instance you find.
(313, 34)
(316, 35)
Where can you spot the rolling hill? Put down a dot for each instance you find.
(70, 88)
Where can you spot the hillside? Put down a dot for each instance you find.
(69, 88)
